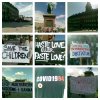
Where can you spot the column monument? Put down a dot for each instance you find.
(49, 18)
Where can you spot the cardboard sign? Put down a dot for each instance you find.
(79, 50)
(83, 85)
(15, 54)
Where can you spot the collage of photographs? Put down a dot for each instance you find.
(49, 49)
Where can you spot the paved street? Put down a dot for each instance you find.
(83, 31)
(16, 27)
(20, 95)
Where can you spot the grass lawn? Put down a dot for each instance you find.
(20, 95)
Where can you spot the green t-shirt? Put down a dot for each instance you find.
(49, 82)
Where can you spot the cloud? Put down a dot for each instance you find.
(20, 74)
(94, 4)
(11, 79)
(75, 72)
(13, 3)
(60, 16)
(19, 5)
(60, 23)
(39, 16)
(25, 8)
(17, 75)
(26, 11)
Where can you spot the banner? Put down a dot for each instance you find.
(50, 52)
(83, 85)
(15, 53)
(79, 50)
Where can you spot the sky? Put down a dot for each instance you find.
(59, 11)
(77, 71)
(59, 37)
(17, 73)
(78, 7)
(25, 8)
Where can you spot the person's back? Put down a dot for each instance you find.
(49, 82)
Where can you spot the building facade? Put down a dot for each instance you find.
(9, 12)
(87, 20)
(18, 86)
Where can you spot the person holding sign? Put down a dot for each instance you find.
(31, 50)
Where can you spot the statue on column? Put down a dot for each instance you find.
(50, 7)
